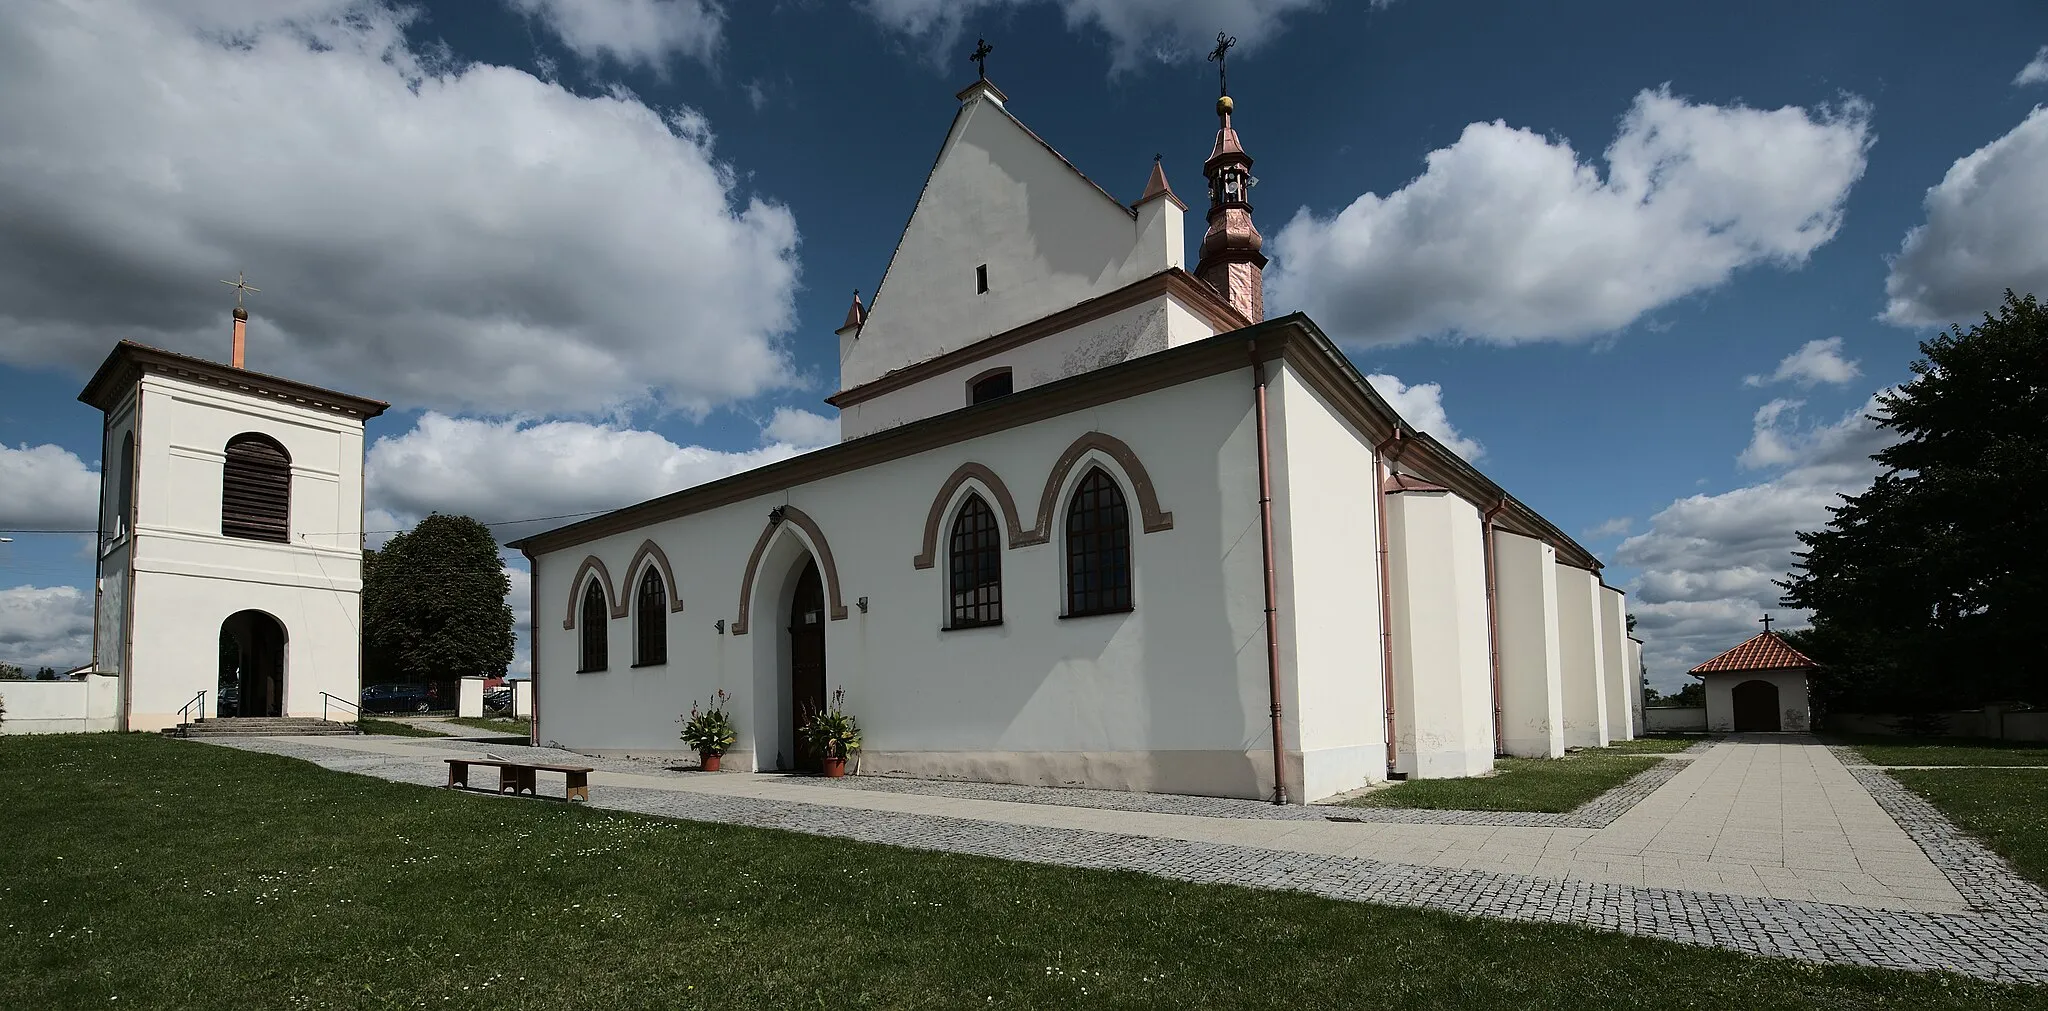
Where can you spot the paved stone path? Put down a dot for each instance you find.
(1766, 848)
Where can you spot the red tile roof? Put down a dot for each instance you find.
(1763, 652)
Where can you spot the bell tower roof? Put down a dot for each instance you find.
(1231, 260)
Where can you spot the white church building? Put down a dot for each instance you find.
(1093, 521)
(230, 540)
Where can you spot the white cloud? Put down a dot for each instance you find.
(1137, 29)
(47, 487)
(1422, 407)
(512, 469)
(632, 32)
(1508, 235)
(1985, 222)
(455, 236)
(2035, 72)
(1707, 562)
(801, 429)
(1615, 527)
(1815, 362)
(45, 626)
(757, 95)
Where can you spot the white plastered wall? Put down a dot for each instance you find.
(999, 197)
(1443, 695)
(1152, 325)
(1615, 674)
(1531, 660)
(189, 578)
(72, 706)
(1582, 670)
(1793, 712)
(1324, 491)
(1635, 682)
(1171, 696)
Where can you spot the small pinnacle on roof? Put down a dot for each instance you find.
(1156, 187)
(856, 314)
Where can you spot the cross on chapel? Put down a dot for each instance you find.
(1766, 619)
(980, 57)
(240, 284)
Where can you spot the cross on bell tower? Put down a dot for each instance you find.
(1230, 258)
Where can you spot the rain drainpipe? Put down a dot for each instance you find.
(1272, 595)
(1493, 625)
(1383, 468)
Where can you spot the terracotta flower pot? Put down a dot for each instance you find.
(709, 760)
(835, 768)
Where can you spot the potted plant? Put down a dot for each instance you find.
(833, 734)
(710, 731)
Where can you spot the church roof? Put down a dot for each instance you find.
(129, 361)
(1156, 187)
(1764, 651)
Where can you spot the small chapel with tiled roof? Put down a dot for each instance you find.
(1759, 685)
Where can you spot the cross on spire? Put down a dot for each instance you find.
(1766, 619)
(1220, 56)
(240, 284)
(980, 57)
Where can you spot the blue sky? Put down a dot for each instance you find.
(1646, 269)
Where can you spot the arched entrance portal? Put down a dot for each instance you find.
(806, 659)
(251, 665)
(1756, 706)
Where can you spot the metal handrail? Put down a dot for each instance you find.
(198, 699)
(326, 698)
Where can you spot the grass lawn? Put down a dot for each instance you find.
(1556, 785)
(1882, 750)
(372, 725)
(174, 874)
(2006, 808)
(511, 728)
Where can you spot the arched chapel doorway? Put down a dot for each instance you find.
(806, 660)
(1756, 707)
(251, 665)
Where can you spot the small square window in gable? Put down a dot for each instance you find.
(981, 279)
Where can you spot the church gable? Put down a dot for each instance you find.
(1005, 232)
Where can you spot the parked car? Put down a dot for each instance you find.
(498, 700)
(400, 698)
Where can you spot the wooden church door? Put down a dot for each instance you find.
(807, 660)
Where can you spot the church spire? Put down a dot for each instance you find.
(242, 286)
(1230, 259)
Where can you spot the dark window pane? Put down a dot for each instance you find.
(975, 588)
(594, 632)
(998, 385)
(650, 619)
(1098, 547)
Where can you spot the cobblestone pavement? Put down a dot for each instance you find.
(1983, 877)
(2003, 940)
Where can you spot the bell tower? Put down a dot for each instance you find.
(1230, 258)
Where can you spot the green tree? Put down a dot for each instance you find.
(46, 674)
(10, 672)
(434, 604)
(1926, 590)
(1691, 694)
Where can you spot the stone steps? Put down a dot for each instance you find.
(263, 726)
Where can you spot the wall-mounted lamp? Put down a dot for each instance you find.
(719, 625)
(775, 516)
(862, 603)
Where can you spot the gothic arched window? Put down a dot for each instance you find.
(124, 488)
(650, 620)
(594, 632)
(256, 489)
(977, 564)
(1098, 547)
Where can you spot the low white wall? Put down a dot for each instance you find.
(1617, 678)
(87, 705)
(1675, 719)
(469, 699)
(522, 698)
(1991, 721)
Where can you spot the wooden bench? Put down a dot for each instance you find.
(519, 776)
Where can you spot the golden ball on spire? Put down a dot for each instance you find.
(1224, 105)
